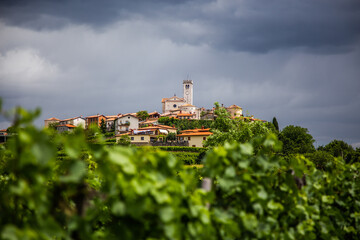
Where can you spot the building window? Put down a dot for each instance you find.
(174, 105)
(189, 138)
(193, 146)
(204, 138)
(132, 138)
(142, 138)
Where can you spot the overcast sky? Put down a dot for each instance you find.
(298, 60)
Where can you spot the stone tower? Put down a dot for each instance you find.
(188, 91)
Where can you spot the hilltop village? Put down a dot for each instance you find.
(144, 128)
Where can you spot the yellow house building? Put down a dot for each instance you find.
(195, 137)
(49, 121)
(146, 135)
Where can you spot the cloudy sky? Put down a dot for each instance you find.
(298, 60)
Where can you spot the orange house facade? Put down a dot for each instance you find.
(96, 119)
(195, 137)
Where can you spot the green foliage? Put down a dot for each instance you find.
(187, 155)
(225, 129)
(339, 148)
(103, 126)
(223, 122)
(188, 158)
(240, 131)
(142, 115)
(322, 160)
(257, 195)
(183, 124)
(95, 192)
(109, 134)
(170, 137)
(55, 186)
(296, 139)
(124, 140)
(54, 125)
(276, 124)
(181, 149)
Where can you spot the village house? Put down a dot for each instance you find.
(147, 135)
(96, 120)
(65, 128)
(185, 116)
(110, 122)
(195, 137)
(76, 121)
(154, 115)
(126, 122)
(149, 122)
(234, 111)
(3, 135)
(50, 121)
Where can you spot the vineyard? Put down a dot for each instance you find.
(95, 191)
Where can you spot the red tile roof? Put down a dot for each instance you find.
(94, 116)
(52, 119)
(185, 115)
(67, 125)
(234, 106)
(157, 127)
(195, 132)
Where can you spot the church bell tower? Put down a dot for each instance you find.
(188, 91)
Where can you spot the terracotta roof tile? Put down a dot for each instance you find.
(52, 119)
(195, 134)
(67, 125)
(234, 106)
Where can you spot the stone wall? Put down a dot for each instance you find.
(176, 144)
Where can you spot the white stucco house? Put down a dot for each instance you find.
(65, 128)
(76, 121)
(126, 123)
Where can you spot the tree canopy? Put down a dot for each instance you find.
(142, 115)
(296, 139)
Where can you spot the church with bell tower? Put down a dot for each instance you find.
(188, 91)
(181, 107)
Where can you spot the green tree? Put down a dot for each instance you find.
(124, 140)
(322, 160)
(223, 121)
(296, 139)
(142, 115)
(103, 126)
(339, 148)
(276, 124)
(171, 137)
(240, 131)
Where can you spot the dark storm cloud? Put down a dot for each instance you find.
(324, 26)
(297, 60)
(261, 26)
(93, 12)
